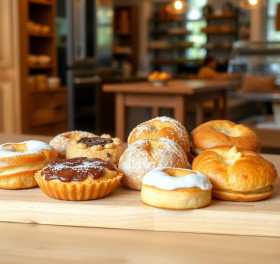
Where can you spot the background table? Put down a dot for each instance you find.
(32, 243)
(177, 94)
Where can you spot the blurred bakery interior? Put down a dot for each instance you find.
(56, 57)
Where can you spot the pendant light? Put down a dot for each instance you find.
(177, 7)
(249, 4)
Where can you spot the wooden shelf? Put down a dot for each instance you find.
(40, 35)
(217, 48)
(35, 67)
(178, 19)
(174, 47)
(220, 32)
(128, 34)
(222, 16)
(174, 61)
(60, 89)
(165, 32)
(40, 2)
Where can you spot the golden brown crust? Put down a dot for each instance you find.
(110, 152)
(185, 198)
(182, 198)
(242, 197)
(79, 191)
(145, 155)
(61, 141)
(235, 170)
(20, 180)
(161, 127)
(17, 169)
(223, 132)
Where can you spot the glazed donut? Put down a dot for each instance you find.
(20, 161)
(173, 188)
(147, 154)
(161, 127)
(103, 147)
(61, 142)
(223, 132)
(78, 179)
(236, 175)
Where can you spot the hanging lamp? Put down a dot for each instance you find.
(177, 7)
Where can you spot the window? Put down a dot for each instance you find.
(271, 33)
(195, 22)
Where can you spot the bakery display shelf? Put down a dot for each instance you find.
(167, 33)
(220, 32)
(176, 19)
(173, 47)
(221, 16)
(41, 2)
(60, 89)
(40, 35)
(35, 67)
(175, 61)
(123, 209)
(218, 48)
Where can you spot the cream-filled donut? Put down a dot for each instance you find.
(145, 155)
(174, 188)
(161, 127)
(223, 132)
(20, 161)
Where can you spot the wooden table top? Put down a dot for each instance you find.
(258, 97)
(187, 87)
(32, 243)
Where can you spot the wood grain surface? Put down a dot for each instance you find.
(33, 244)
(123, 209)
(172, 87)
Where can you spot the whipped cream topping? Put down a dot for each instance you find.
(32, 146)
(161, 180)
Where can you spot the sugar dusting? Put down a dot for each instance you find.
(137, 160)
(176, 130)
(84, 166)
(32, 146)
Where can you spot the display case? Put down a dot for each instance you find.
(258, 66)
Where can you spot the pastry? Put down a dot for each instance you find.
(161, 127)
(78, 178)
(159, 76)
(20, 161)
(174, 188)
(61, 142)
(103, 147)
(223, 132)
(236, 174)
(147, 154)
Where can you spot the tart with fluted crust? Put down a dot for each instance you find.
(78, 179)
(236, 174)
(103, 147)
